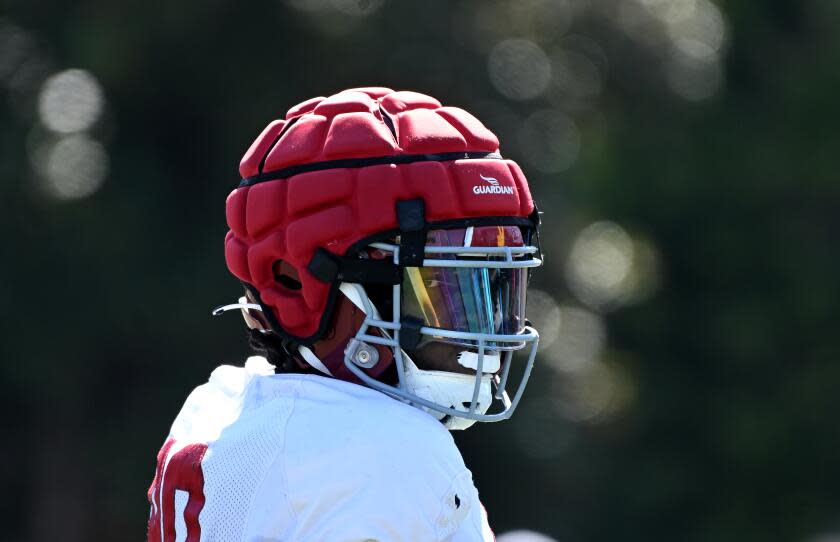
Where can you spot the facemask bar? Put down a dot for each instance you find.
(528, 335)
(509, 253)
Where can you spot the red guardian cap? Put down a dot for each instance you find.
(332, 176)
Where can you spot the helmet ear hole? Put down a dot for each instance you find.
(286, 275)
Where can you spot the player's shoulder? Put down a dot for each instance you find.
(225, 400)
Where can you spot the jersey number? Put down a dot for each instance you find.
(177, 494)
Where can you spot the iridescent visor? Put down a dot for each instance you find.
(480, 298)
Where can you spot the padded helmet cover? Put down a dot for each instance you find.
(288, 217)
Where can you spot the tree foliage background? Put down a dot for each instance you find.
(684, 153)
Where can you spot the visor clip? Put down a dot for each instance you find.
(409, 332)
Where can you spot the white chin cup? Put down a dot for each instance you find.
(452, 390)
(490, 364)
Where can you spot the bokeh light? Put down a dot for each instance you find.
(694, 77)
(697, 33)
(606, 268)
(72, 167)
(580, 339)
(595, 394)
(70, 101)
(692, 20)
(519, 69)
(522, 535)
(541, 20)
(670, 11)
(687, 37)
(549, 140)
(599, 263)
(15, 45)
(23, 67)
(644, 278)
(336, 17)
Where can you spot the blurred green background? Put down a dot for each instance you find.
(684, 153)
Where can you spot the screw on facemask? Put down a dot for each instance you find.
(362, 354)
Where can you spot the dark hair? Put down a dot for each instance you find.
(277, 351)
(283, 353)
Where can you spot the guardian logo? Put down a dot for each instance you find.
(494, 187)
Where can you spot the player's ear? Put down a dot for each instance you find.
(286, 275)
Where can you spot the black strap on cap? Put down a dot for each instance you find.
(410, 332)
(411, 216)
(323, 266)
(328, 267)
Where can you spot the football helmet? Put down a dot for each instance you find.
(379, 234)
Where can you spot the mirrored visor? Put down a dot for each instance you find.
(469, 299)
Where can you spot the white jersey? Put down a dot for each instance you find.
(255, 456)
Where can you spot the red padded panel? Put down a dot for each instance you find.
(377, 190)
(235, 211)
(346, 102)
(294, 315)
(318, 189)
(301, 143)
(422, 131)
(263, 254)
(355, 135)
(526, 202)
(373, 92)
(250, 163)
(430, 181)
(478, 137)
(314, 291)
(474, 191)
(236, 257)
(325, 229)
(303, 107)
(265, 207)
(401, 101)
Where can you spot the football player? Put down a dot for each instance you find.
(385, 247)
